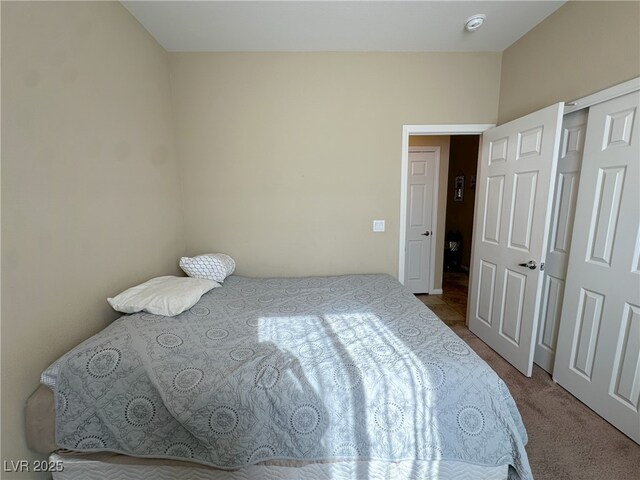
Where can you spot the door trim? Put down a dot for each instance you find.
(407, 130)
(603, 95)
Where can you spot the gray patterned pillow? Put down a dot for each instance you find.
(212, 266)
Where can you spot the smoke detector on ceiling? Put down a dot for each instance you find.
(474, 22)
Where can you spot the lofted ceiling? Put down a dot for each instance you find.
(354, 26)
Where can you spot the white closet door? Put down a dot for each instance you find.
(516, 173)
(598, 350)
(574, 127)
(420, 197)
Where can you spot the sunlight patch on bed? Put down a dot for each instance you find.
(375, 368)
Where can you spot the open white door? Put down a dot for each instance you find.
(515, 179)
(598, 354)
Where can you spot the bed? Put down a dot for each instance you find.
(320, 377)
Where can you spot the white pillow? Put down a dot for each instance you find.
(168, 296)
(213, 266)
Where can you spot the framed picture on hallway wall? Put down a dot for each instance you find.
(458, 191)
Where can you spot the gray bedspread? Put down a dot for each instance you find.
(309, 368)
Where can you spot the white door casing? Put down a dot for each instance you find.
(598, 354)
(574, 127)
(511, 223)
(421, 181)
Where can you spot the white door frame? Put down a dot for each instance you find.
(407, 130)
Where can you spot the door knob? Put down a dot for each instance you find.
(530, 264)
(426, 234)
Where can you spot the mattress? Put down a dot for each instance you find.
(108, 466)
(348, 370)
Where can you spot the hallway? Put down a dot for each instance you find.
(451, 306)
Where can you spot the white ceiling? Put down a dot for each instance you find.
(383, 26)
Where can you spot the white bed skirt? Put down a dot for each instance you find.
(109, 466)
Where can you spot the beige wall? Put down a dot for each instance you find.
(580, 49)
(288, 157)
(443, 143)
(90, 191)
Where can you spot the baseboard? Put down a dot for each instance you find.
(435, 291)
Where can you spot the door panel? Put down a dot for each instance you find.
(511, 318)
(493, 212)
(598, 354)
(517, 165)
(486, 288)
(588, 324)
(574, 127)
(420, 201)
(551, 308)
(566, 201)
(605, 214)
(524, 197)
(626, 381)
(416, 205)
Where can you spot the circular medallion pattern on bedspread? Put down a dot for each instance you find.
(305, 419)
(261, 453)
(434, 377)
(346, 450)
(199, 310)
(431, 450)
(340, 307)
(104, 362)
(346, 334)
(187, 379)
(347, 376)
(216, 333)
(288, 309)
(383, 350)
(267, 377)
(393, 305)
(255, 321)
(241, 354)
(90, 442)
(389, 416)
(409, 331)
(457, 348)
(310, 350)
(169, 340)
(140, 411)
(61, 403)
(179, 449)
(223, 420)
(471, 420)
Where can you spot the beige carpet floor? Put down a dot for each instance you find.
(567, 440)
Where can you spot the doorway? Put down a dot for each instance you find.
(452, 216)
(452, 248)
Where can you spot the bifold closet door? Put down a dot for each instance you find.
(574, 126)
(598, 349)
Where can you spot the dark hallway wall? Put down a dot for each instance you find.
(463, 160)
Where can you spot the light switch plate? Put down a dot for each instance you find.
(378, 225)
